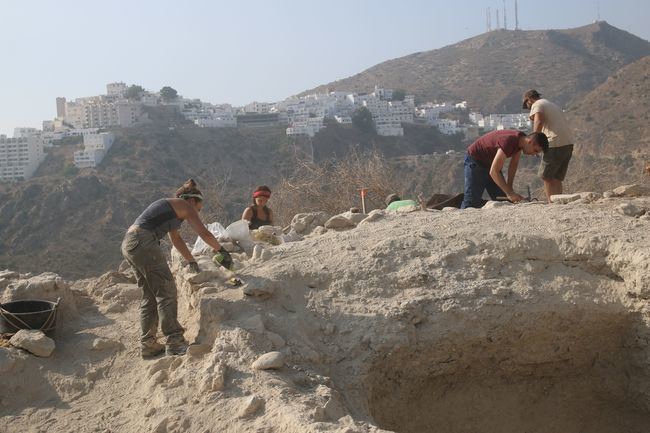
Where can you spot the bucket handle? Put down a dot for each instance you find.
(6, 314)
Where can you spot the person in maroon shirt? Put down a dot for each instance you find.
(484, 161)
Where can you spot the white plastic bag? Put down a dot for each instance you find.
(238, 231)
(200, 247)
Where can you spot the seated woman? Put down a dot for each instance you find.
(259, 214)
(141, 249)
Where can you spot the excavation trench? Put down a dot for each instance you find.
(536, 372)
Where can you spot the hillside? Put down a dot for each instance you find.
(491, 71)
(616, 114)
(73, 224)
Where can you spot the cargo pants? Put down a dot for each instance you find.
(142, 251)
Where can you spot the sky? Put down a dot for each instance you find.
(238, 52)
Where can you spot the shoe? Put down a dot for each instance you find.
(151, 348)
(176, 349)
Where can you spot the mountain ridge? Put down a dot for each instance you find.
(587, 56)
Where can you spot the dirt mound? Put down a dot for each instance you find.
(516, 318)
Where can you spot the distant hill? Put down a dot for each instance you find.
(612, 129)
(492, 70)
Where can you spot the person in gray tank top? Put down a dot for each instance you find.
(141, 249)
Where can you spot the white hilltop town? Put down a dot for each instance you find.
(92, 118)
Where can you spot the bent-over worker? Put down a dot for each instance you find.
(485, 159)
(141, 248)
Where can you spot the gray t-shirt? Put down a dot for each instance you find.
(159, 218)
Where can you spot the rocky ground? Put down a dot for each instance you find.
(508, 319)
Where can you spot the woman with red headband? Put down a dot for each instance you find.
(259, 214)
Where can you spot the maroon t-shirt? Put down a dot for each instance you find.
(485, 148)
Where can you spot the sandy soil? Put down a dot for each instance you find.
(516, 318)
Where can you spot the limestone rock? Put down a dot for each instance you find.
(589, 196)
(339, 222)
(565, 198)
(374, 215)
(34, 342)
(269, 361)
(259, 287)
(449, 209)
(609, 194)
(320, 230)
(251, 405)
(355, 217)
(634, 190)
(9, 275)
(106, 344)
(305, 223)
(215, 378)
(7, 361)
(254, 324)
(197, 350)
(496, 204)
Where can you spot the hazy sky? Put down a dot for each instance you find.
(237, 52)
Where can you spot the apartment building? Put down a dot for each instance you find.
(116, 89)
(305, 126)
(20, 156)
(102, 112)
(96, 145)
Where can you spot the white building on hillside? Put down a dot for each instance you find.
(20, 157)
(25, 132)
(258, 107)
(96, 145)
(518, 121)
(305, 126)
(116, 89)
(389, 115)
(225, 121)
(102, 112)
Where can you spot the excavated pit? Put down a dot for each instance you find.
(574, 371)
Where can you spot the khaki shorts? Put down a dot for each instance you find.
(555, 162)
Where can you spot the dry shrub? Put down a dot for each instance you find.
(333, 186)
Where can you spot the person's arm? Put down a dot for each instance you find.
(497, 176)
(248, 214)
(181, 247)
(186, 212)
(270, 217)
(538, 121)
(512, 168)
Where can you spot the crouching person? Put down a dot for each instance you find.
(485, 159)
(141, 248)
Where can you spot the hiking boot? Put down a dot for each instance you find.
(151, 348)
(176, 348)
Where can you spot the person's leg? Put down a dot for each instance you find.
(563, 158)
(553, 169)
(547, 169)
(161, 280)
(134, 251)
(475, 178)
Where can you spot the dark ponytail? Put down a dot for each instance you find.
(189, 190)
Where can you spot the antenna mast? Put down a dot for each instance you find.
(498, 25)
(516, 17)
(505, 18)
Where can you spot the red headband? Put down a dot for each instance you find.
(261, 194)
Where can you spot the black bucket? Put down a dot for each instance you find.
(28, 314)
